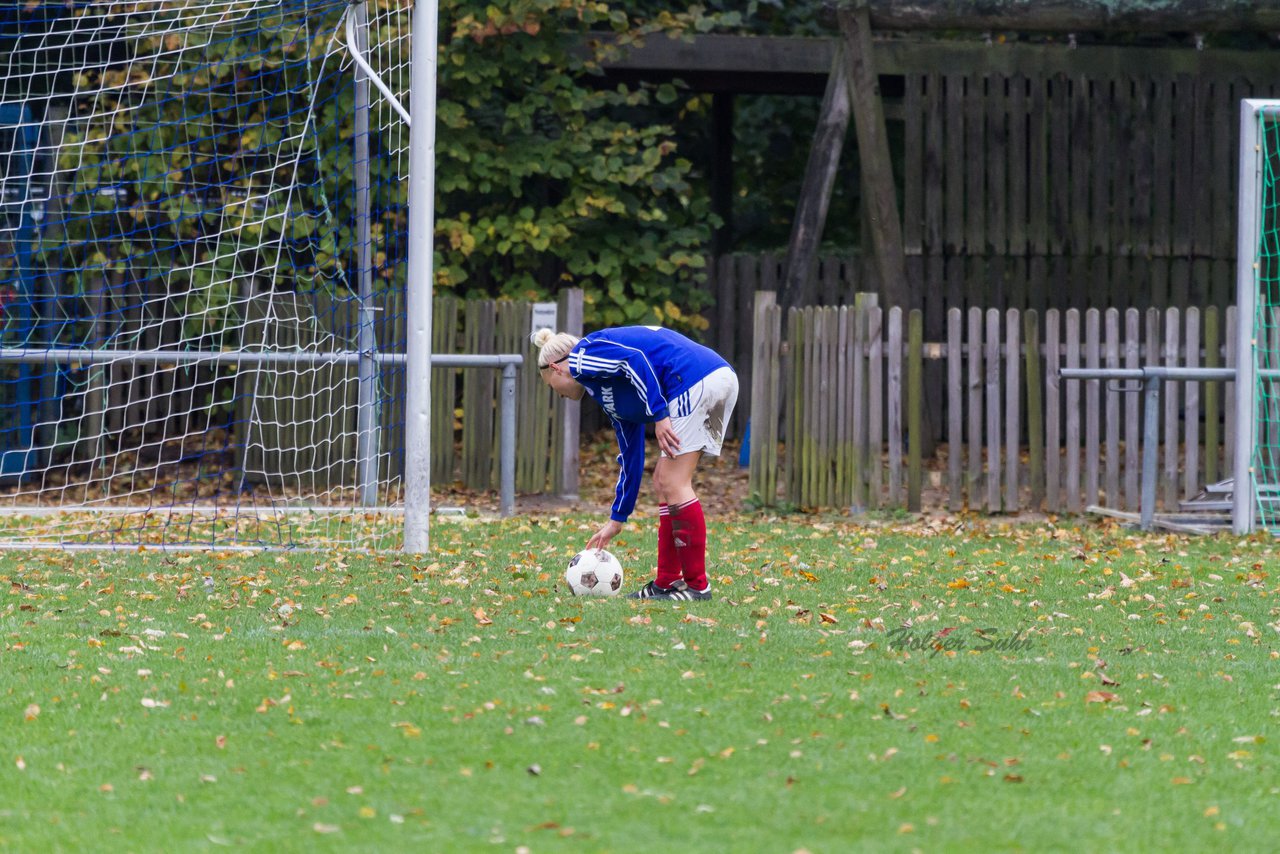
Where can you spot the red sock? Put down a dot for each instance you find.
(689, 530)
(668, 560)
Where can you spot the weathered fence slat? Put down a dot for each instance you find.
(1111, 409)
(1035, 408)
(955, 410)
(915, 385)
(1072, 479)
(1092, 443)
(1169, 393)
(895, 405)
(875, 407)
(1052, 411)
(975, 407)
(1012, 410)
(1132, 401)
(1212, 396)
(1191, 408)
(993, 339)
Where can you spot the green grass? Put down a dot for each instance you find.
(465, 703)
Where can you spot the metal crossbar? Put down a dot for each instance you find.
(508, 362)
(1151, 379)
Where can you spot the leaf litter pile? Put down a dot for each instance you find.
(942, 684)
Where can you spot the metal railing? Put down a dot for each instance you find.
(1151, 378)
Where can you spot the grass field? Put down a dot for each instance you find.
(941, 686)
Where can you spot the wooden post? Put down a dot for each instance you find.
(763, 466)
(722, 170)
(873, 152)
(815, 192)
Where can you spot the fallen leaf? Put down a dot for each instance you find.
(1100, 697)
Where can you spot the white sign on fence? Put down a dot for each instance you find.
(544, 317)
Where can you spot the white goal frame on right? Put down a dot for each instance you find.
(1249, 374)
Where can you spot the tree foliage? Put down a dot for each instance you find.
(546, 179)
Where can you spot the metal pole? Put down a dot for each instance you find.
(1242, 503)
(507, 460)
(367, 406)
(418, 287)
(1150, 447)
(76, 356)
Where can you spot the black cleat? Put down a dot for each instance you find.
(651, 590)
(677, 592)
(687, 593)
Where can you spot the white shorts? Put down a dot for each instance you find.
(700, 415)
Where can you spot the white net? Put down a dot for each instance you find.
(194, 221)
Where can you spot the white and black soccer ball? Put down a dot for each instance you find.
(594, 572)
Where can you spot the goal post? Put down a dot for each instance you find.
(1256, 496)
(420, 279)
(209, 318)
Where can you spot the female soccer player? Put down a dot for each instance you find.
(649, 375)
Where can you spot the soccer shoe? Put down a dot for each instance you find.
(651, 590)
(686, 593)
(677, 592)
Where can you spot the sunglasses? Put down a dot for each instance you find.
(549, 364)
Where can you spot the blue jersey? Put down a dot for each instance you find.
(634, 373)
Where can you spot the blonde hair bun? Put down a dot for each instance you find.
(541, 337)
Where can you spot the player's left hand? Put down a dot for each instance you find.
(668, 441)
(607, 532)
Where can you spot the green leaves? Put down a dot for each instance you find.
(547, 181)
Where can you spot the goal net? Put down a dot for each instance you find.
(202, 263)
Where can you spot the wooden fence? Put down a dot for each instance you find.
(1054, 282)
(841, 390)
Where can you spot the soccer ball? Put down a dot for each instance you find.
(594, 572)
